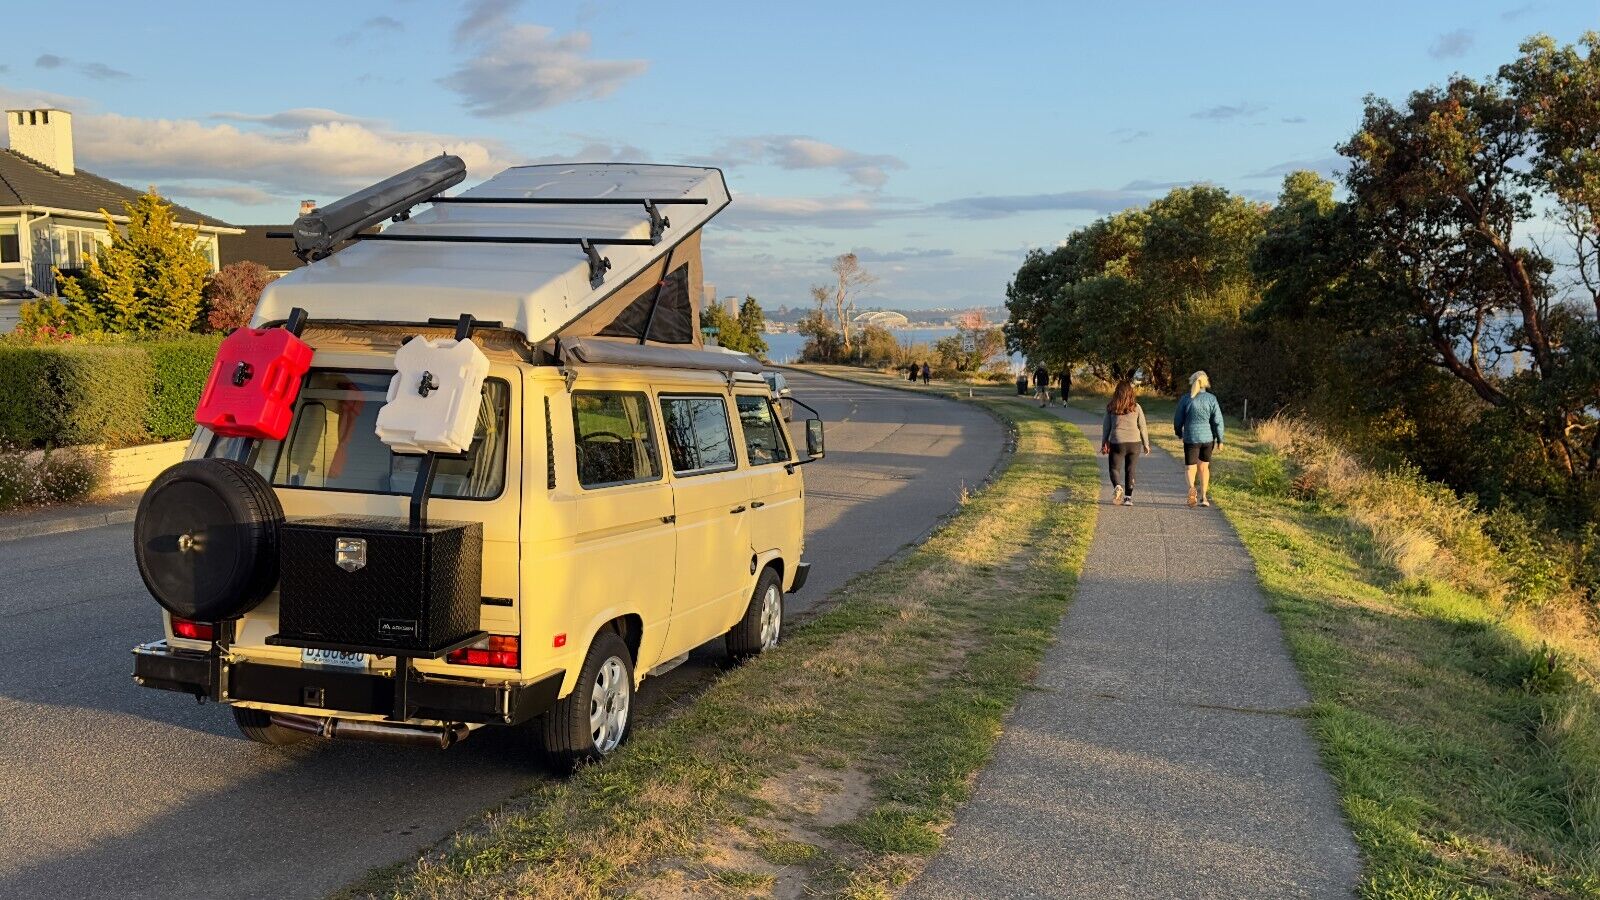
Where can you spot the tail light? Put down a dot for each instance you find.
(194, 631)
(500, 651)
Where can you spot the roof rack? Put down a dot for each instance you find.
(395, 197)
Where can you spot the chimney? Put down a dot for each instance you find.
(44, 136)
(307, 207)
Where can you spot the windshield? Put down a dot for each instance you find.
(332, 446)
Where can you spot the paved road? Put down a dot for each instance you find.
(109, 790)
(1162, 757)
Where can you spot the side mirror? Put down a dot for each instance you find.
(814, 445)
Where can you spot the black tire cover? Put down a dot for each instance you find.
(206, 539)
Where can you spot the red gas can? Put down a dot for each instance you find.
(253, 384)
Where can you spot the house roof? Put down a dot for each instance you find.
(254, 246)
(24, 182)
(277, 254)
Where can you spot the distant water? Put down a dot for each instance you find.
(785, 348)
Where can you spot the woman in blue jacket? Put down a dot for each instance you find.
(1198, 424)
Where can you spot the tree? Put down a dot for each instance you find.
(1436, 192)
(150, 279)
(752, 325)
(231, 294)
(851, 278)
(727, 327)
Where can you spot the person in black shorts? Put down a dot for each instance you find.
(1198, 423)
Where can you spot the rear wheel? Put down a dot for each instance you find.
(762, 624)
(256, 725)
(595, 718)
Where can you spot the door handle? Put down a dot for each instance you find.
(757, 504)
(736, 510)
(668, 520)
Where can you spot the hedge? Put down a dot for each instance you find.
(112, 393)
(180, 366)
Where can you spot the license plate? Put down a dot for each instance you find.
(310, 656)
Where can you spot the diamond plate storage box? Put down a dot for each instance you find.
(377, 582)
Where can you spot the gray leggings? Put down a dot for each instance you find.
(1124, 460)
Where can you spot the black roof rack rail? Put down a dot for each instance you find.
(658, 223)
(598, 265)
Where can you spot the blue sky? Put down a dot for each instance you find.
(938, 140)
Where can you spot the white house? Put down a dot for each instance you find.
(50, 209)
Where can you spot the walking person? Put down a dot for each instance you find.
(1198, 423)
(1123, 439)
(912, 369)
(1041, 385)
(1064, 378)
(927, 374)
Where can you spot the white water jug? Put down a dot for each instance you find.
(434, 396)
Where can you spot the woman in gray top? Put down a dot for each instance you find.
(1123, 436)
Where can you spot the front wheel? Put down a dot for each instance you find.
(762, 624)
(593, 720)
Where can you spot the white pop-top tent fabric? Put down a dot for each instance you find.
(540, 290)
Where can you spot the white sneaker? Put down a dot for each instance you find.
(1116, 496)
(1205, 501)
(1127, 501)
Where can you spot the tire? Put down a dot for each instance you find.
(206, 539)
(605, 692)
(256, 724)
(762, 625)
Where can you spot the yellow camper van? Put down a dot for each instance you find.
(623, 495)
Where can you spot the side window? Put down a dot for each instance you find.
(615, 441)
(698, 434)
(763, 444)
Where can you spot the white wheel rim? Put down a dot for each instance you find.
(771, 617)
(608, 705)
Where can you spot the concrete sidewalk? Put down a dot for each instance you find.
(1164, 754)
(67, 517)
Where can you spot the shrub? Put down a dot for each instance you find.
(72, 393)
(179, 366)
(28, 478)
(232, 293)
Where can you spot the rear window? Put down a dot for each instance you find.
(699, 437)
(615, 443)
(332, 446)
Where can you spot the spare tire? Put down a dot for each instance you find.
(206, 539)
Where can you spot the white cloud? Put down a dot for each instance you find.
(522, 68)
(483, 17)
(1451, 44)
(303, 117)
(791, 151)
(1225, 112)
(321, 160)
(762, 213)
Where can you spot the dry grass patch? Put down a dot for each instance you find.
(831, 766)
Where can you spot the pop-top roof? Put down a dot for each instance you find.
(540, 290)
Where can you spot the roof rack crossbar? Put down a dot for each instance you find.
(576, 201)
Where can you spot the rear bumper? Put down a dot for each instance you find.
(156, 665)
(802, 571)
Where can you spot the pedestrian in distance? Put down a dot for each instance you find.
(912, 372)
(1064, 378)
(1124, 438)
(1198, 423)
(1041, 385)
(927, 373)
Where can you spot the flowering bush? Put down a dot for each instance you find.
(33, 477)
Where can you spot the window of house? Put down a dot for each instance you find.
(614, 439)
(763, 437)
(72, 248)
(332, 444)
(10, 245)
(698, 434)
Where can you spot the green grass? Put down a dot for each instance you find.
(840, 757)
(1466, 751)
